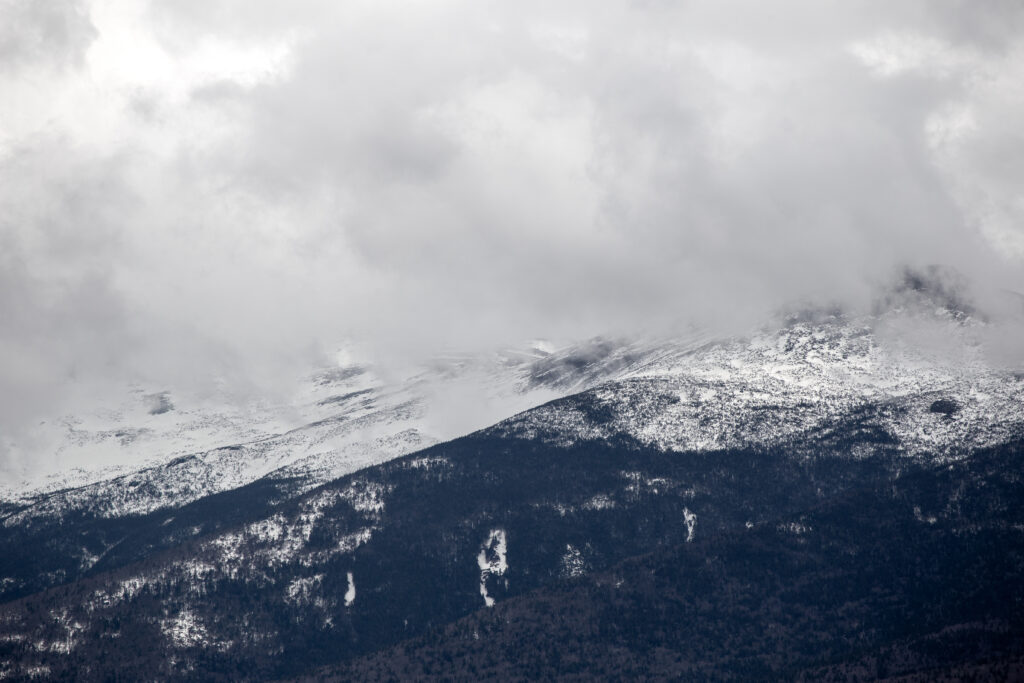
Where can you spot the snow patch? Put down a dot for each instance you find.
(796, 528)
(350, 542)
(929, 519)
(41, 671)
(184, 630)
(303, 590)
(691, 523)
(599, 502)
(365, 496)
(492, 561)
(573, 563)
(350, 592)
(128, 588)
(428, 463)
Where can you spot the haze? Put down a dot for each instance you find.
(226, 190)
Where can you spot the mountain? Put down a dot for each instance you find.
(935, 400)
(828, 496)
(350, 417)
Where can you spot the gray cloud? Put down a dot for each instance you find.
(53, 33)
(227, 188)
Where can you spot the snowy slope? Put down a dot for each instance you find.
(917, 372)
(921, 377)
(344, 418)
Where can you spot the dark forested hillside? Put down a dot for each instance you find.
(59, 550)
(858, 589)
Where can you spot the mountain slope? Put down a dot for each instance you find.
(925, 377)
(676, 444)
(857, 590)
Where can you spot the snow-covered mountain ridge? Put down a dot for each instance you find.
(923, 379)
(347, 418)
(919, 374)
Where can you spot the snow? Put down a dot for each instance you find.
(365, 496)
(795, 528)
(691, 523)
(41, 671)
(783, 383)
(350, 592)
(128, 588)
(303, 590)
(184, 630)
(573, 563)
(350, 542)
(492, 561)
(599, 502)
(927, 519)
(278, 540)
(641, 483)
(121, 459)
(428, 463)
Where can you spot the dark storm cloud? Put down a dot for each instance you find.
(226, 188)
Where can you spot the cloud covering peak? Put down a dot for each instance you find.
(199, 190)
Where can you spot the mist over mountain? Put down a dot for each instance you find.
(932, 313)
(221, 193)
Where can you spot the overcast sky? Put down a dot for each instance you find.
(229, 188)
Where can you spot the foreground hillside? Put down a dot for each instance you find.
(922, 582)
